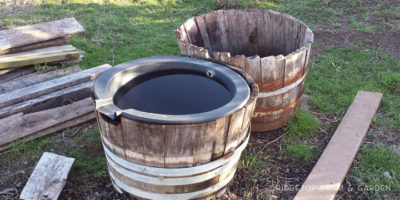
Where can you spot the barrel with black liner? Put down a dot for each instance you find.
(173, 127)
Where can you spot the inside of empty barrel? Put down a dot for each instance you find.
(173, 92)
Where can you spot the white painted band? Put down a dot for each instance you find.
(282, 90)
(181, 196)
(160, 180)
(177, 172)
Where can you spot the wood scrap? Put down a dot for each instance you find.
(48, 178)
(38, 56)
(44, 122)
(24, 94)
(12, 73)
(38, 45)
(50, 100)
(35, 78)
(20, 36)
(327, 176)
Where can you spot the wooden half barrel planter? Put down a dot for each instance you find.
(173, 127)
(273, 48)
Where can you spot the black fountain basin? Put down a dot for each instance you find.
(170, 89)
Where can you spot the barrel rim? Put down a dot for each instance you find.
(104, 96)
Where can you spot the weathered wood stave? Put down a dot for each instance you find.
(274, 59)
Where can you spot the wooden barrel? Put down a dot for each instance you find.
(273, 48)
(154, 160)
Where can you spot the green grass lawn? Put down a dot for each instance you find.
(120, 31)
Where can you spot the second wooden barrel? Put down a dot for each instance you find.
(273, 48)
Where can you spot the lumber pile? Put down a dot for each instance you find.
(48, 178)
(41, 43)
(42, 103)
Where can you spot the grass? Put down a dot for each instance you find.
(375, 161)
(298, 131)
(335, 77)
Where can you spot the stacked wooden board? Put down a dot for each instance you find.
(38, 44)
(32, 106)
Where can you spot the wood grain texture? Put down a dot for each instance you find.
(15, 37)
(12, 73)
(20, 126)
(48, 178)
(50, 100)
(35, 78)
(278, 43)
(326, 177)
(38, 45)
(38, 56)
(39, 89)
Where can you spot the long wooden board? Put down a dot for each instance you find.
(38, 56)
(12, 73)
(50, 100)
(39, 89)
(15, 37)
(48, 178)
(35, 78)
(328, 174)
(37, 45)
(20, 126)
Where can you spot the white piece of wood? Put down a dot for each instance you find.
(33, 91)
(29, 34)
(48, 178)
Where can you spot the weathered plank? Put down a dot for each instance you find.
(11, 38)
(48, 178)
(39, 89)
(20, 126)
(328, 174)
(50, 100)
(35, 78)
(273, 69)
(37, 45)
(12, 73)
(37, 56)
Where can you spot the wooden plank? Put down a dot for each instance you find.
(24, 35)
(16, 127)
(193, 32)
(37, 56)
(222, 32)
(325, 179)
(37, 45)
(202, 28)
(273, 70)
(214, 30)
(35, 78)
(253, 67)
(89, 117)
(231, 19)
(265, 33)
(48, 178)
(50, 100)
(39, 89)
(12, 73)
(252, 32)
